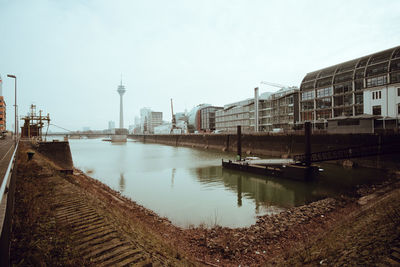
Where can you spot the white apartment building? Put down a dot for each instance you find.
(383, 101)
(149, 119)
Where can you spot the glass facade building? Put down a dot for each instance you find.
(339, 90)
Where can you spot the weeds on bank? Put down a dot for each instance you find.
(37, 240)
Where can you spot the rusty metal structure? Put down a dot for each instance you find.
(34, 123)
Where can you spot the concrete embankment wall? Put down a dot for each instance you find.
(59, 152)
(281, 145)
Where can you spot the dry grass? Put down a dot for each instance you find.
(37, 240)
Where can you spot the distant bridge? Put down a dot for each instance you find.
(79, 135)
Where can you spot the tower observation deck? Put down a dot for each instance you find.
(121, 91)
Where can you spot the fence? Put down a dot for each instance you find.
(7, 190)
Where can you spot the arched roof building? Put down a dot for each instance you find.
(340, 90)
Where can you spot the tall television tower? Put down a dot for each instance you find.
(121, 91)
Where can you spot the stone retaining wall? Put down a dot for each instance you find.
(281, 145)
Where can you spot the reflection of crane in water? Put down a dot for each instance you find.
(121, 182)
(173, 177)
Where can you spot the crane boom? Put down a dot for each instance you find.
(173, 116)
(274, 84)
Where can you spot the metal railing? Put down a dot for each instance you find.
(350, 152)
(7, 190)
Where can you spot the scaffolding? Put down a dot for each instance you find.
(34, 123)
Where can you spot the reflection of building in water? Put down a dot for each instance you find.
(121, 182)
(267, 193)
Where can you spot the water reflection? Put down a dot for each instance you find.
(121, 183)
(239, 191)
(265, 191)
(173, 177)
(190, 187)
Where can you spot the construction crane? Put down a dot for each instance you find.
(173, 117)
(275, 84)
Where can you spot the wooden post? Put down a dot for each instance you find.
(307, 149)
(239, 142)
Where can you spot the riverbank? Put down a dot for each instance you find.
(356, 230)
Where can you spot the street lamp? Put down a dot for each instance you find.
(15, 105)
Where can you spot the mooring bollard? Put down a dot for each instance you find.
(30, 154)
(307, 143)
(239, 143)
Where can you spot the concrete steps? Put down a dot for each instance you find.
(98, 240)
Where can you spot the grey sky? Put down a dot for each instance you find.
(68, 55)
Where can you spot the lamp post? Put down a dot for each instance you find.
(15, 105)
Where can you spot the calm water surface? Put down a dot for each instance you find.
(189, 186)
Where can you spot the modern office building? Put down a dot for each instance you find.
(366, 85)
(276, 111)
(234, 114)
(154, 119)
(207, 118)
(279, 111)
(149, 119)
(111, 125)
(193, 118)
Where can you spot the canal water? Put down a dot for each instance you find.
(190, 188)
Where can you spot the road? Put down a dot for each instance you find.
(6, 151)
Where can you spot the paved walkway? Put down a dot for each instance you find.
(6, 151)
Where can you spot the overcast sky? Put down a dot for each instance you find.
(69, 55)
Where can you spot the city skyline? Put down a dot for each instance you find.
(194, 53)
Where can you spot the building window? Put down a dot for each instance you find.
(398, 109)
(349, 122)
(377, 95)
(307, 95)
(307, 116)
(359, 110)
(324, 114)
(345, 111)
(359, 98)
(343, 88)
(348, 100)
(324, 92)
(398, 91)
(376, 110)
(377, 69)
(324, 102)
(395, 77)
(381, 80)
(358, 84)
(309, 105)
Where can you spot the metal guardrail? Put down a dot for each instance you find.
(7, 189)
(350, 152)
